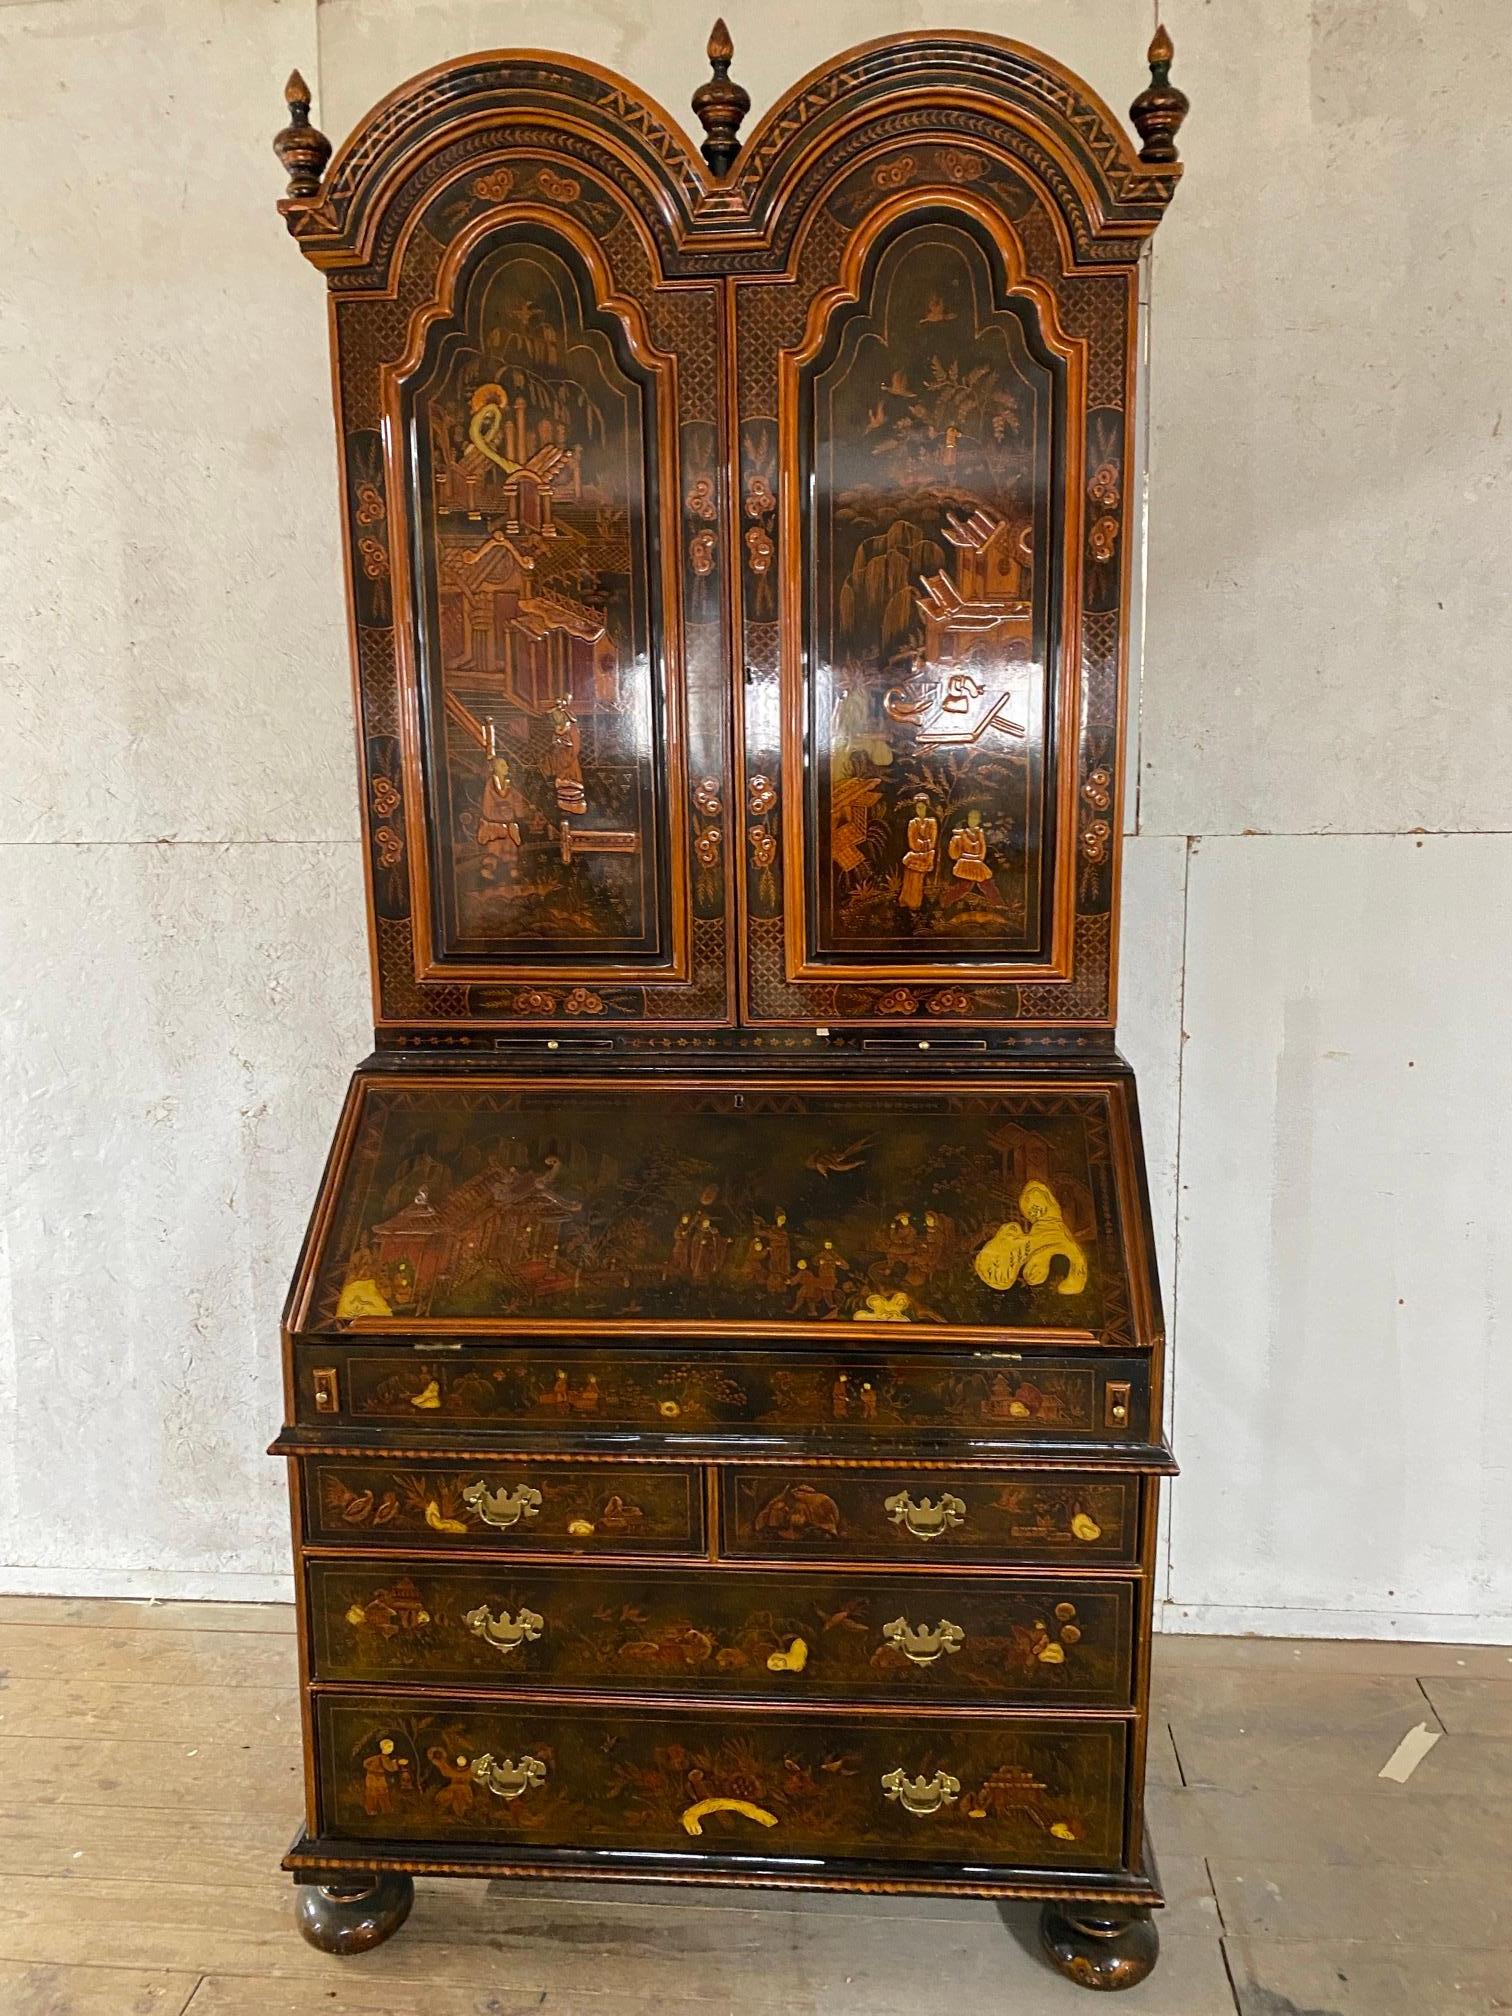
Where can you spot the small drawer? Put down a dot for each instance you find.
(985, 1791)
(846, 1396)
(999, 1642)
(998, 1516)
(525, 1507)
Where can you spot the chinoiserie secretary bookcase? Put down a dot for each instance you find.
(724, 1369)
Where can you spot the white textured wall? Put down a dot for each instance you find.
(1320, 860)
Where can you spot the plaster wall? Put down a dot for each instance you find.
(1318, 828)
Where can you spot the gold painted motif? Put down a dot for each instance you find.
(1028, 1250)
(792, 1659)
(694, 1816)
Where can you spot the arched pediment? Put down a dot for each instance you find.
(978, 89)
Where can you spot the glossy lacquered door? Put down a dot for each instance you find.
(932, 443)
(533, 445)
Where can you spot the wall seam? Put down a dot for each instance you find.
(1172, 1321)
(1334, 833)
(162, 841)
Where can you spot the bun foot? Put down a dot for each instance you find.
(1100, 1946)
(353, 1917)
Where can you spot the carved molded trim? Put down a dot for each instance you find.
(1110, 197)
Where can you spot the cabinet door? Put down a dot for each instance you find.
(535, 485)
(933, 434)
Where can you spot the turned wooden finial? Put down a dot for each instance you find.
(721, 104)
(302, 148)
(1158, 111)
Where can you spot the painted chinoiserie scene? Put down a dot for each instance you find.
(998, 1642)
(708, 1207)
(929, 425)
(850, 1393)
(991, 1792)
(724, 1370)
(532, 433)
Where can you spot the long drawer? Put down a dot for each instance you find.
(926, 1516)
(847, 1395)
(988, 1790)
(521, 1506)
(994, 1641)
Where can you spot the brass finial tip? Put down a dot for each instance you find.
(296, 91)
(1162, 49)
(721, 49)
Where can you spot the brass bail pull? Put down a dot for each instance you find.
(502, 1509)
(927, 1518)
(921, 1796)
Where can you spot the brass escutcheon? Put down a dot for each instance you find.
(921, 1795)
(927, 1519)
(502, 1508)
(923, 1646)
(508, 1780)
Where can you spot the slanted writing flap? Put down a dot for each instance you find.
(539, 1207)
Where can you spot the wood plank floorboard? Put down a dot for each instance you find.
(1344, 1978)
(27, 1990)
(1369, 1657)
(173, 1657)
(150, 1779)
(1337, 1826)
(1467, 1706)
(90, 1705)
(148, 1614)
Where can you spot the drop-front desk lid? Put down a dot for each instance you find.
(585, 1208)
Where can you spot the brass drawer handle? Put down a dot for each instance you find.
(923, 1646)
(508, 1780)
(504, 1633)
(921, 1795)
(502, 1508)
(927, 1519)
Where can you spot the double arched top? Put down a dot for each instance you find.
(1108, 198)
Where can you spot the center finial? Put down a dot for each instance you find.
(721, 103)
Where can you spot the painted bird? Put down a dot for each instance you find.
(837, 1161)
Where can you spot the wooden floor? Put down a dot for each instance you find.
(151, 1781)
